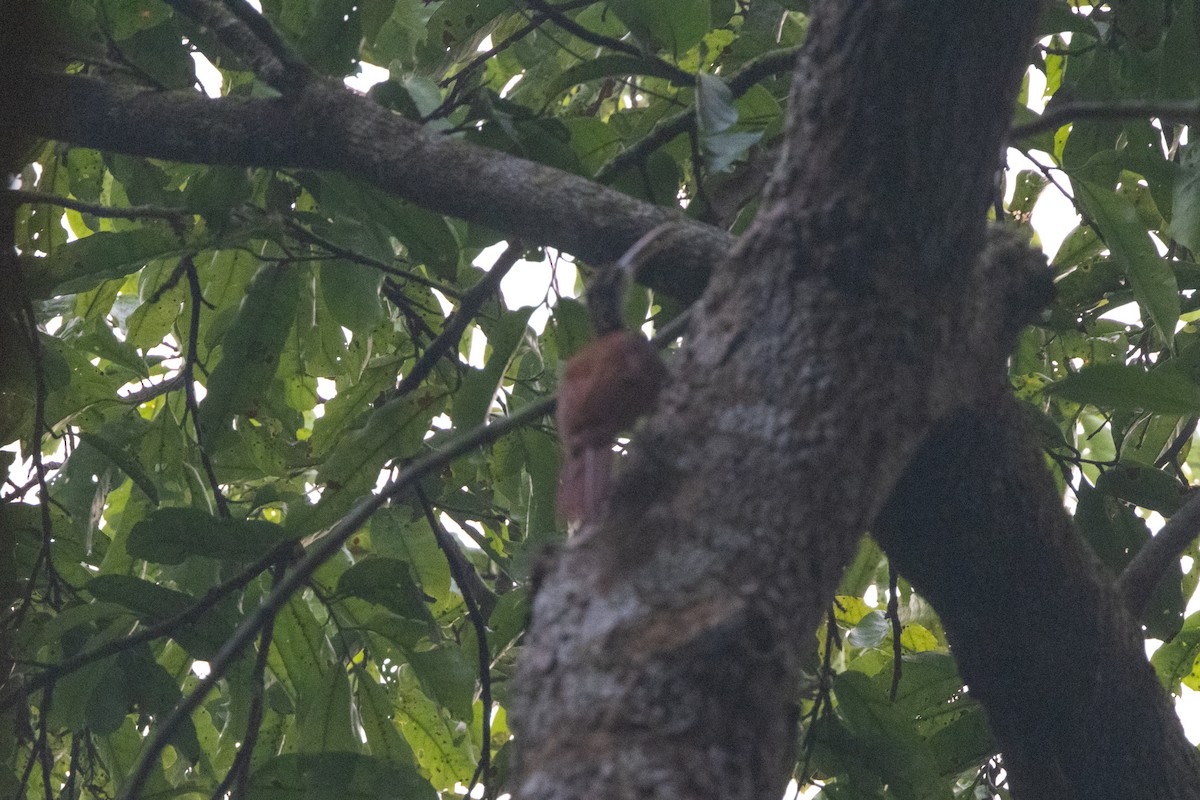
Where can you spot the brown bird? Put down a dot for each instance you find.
(605, 387)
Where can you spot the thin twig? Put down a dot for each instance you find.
(665, 130)
(239, 770)
(461, 571)
(893, 614)
(323, 548)
(678, 76)
(44, 741)
(457, 323)
(1186, 112)
(308, 237)
(189, 384)
(23, 197)
(158, 630)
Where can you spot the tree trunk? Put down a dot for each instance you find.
(666, 640)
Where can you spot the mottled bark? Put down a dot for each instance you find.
(977, 526)
(664, 651)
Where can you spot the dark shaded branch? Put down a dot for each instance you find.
(977, 526)
(250, 36)
(468, 582)
(190, 361)
(680, 77)
(305, 235)
(1143, 574)
(457, 323)
(1184, 112)
(326, 126)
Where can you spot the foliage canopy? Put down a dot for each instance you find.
(212, 365)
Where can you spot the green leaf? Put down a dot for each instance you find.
(154, 603)
(336, 776)
(215, 192)
(441, 746)
(86, 263)
(1185, 206)
(299, 650)
(1149, 274)
(870, 631)
(1131, 388)
(1142, 485)
(387, 582)
(448, 677)
(715, 110)
(1178, 661)
(250, 350)
(325, 721)
(474, 398)
(170, 535)
(394, 430)
(670, 25)
(351, 292)
(127, 462)
(605, 66)
(378, 720)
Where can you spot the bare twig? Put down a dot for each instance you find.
(678, 76)
(22, 197)
(457, 323)
(462, 572)
(893, 614)
(189, 384)
(1186, 112)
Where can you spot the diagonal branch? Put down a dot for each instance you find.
(1139, 579)
(249, 35)
(326, 126)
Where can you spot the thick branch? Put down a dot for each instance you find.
(326, 126)
(977, 527)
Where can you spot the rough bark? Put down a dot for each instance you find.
(324, 125)
(978, 528)
(663, 654)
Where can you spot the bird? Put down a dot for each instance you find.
(605, 388)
